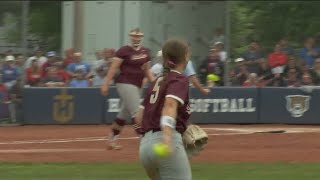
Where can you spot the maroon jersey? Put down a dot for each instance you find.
(131, 68)
(175, 86)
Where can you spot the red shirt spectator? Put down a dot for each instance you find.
(277, 58)
(69, 57)
(34, 73)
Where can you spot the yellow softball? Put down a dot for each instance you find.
(213, 77)
(161, 150)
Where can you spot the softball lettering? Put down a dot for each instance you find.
(204, 105)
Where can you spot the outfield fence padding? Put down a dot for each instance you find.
(223, 105)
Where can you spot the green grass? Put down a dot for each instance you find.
(130, 171)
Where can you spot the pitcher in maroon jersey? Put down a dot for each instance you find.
(133, 62)
(164, 115)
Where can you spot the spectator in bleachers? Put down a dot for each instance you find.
(253, 57)
(78, 64)
(292, 79)
(307, 80)
(285, 47)
(79, 81)
(293, 64)
(61, 70)
(34, 73)
(305, 69)
(9, 72)
(309, 52)
(212, 65)
(99, 59)
(316, 70)
(277, 60)
(223, 54)
(69, 57)
(252, 81)
(277, 81)
(38, 54)
(102, 70)
(20, 60)
(240, 73)
(52, 59)
(53, 79)
(264, 74)
(100, 74)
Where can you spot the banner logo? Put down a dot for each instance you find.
(297, 105)
(63, 107)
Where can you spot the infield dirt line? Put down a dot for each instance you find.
(238, 131)
(62, 150)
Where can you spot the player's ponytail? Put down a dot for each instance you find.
(174, 52)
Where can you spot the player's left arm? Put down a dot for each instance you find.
(191, 74)
(196, 83)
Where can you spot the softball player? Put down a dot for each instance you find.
(133, 62)
(164, 114)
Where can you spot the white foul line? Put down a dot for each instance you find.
(238, 131)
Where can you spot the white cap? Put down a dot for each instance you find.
(219, 42)
(159, 54)
(77, 54)
(10, 58)
(239, 60)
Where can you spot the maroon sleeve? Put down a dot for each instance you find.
(178, 89)
(121, 53)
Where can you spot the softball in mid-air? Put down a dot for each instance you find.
(161, 150)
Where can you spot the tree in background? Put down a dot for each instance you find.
(268, 21)
(44, 23)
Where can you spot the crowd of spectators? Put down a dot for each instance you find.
(284, 67)
(51, 70)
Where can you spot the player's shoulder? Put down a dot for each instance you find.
(177, 77)
(124, 48)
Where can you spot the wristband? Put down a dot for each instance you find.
(168, 121)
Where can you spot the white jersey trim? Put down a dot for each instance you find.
(176, 98)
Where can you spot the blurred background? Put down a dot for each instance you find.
(246, 40)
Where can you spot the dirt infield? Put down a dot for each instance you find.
(227, 143)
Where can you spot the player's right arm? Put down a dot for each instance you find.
(115, 65)
(176, 94)
(169, 114)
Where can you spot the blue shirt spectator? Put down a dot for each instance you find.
(78, 65)
(253, 57)
(309, 53)
(8, 70)
(73, 67)
(9, 73)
